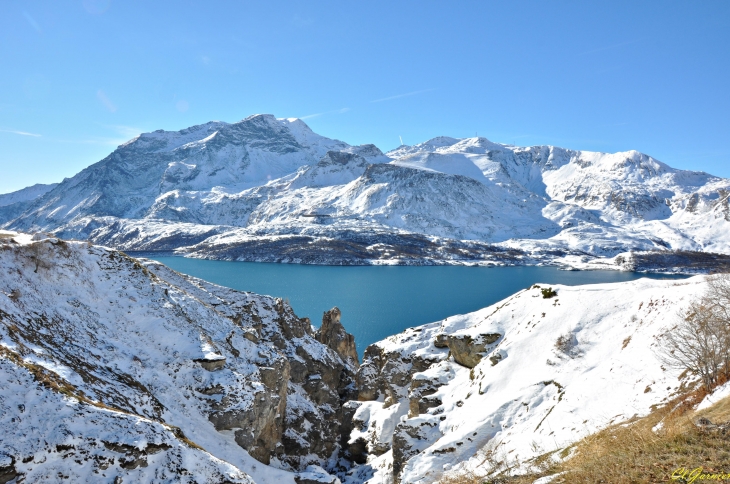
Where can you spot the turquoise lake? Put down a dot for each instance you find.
(378, 301)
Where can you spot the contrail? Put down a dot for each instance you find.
(401, 140)
(402, 95)
(22, 133)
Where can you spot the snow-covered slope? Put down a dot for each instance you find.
(26, 194)
(224, 190)
(111, 367)
(15, 203)
(515, 380)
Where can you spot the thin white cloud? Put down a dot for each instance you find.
(32, 22)
(129, 131)
(398, 96)
(101, 95)
(22, 133)
(125, 133)
(95, 141)
(316, 115)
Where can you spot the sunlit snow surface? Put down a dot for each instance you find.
(126, 338)
(209, 188)
(89, 316)
(537, 398)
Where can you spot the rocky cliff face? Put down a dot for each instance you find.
(153, 366)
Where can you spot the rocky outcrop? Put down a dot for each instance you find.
(420, 396)
(319, 383)
(7, 469)
(469, 351)
(333, 334)
(407, 372)
(259, 427)
(387, 374)
(211, 364)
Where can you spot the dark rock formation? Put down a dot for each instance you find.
(333, 334)
(419, 396)
(387, 374)
(212, 364)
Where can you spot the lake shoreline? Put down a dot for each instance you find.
(670, 262)
(378, 301)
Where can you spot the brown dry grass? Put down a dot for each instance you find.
(633, 453)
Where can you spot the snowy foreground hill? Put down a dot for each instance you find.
(271, 189)
(114, 369)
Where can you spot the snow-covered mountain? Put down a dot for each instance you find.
(271, 189)
(113, 368)
(26, 194)
(15, 203)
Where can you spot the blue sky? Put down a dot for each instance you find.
(80, 77)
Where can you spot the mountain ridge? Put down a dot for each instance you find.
(264, 178)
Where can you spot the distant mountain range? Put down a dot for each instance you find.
(273, 190)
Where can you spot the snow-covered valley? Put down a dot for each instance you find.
(268, 189)
(118, 368)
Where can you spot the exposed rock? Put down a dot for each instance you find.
(441, 341)
(419, 396)
(251, 336)
(134, 457)
(410, 438)
(387, 374)
(259, 427)
(496, 358)
(323, 380)
(333, 334)
(468, 351)
(7, 469)
(357, 450)
(212, 364)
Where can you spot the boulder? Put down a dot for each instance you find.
(468, 351)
